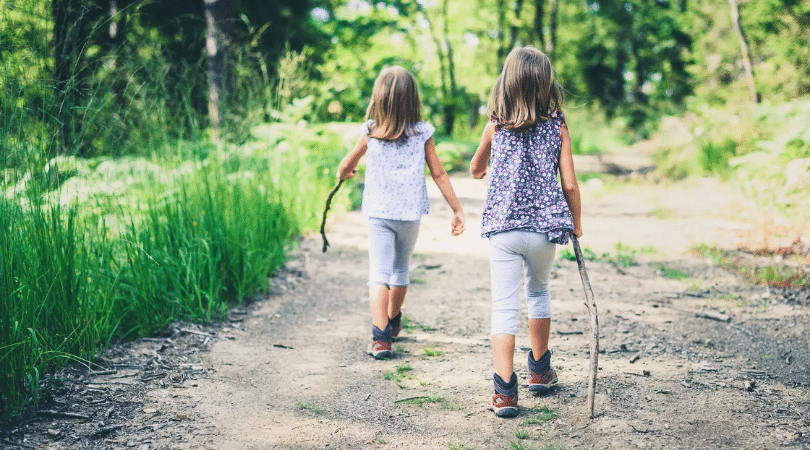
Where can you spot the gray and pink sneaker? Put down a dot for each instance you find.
(381, 342)
(542, 377)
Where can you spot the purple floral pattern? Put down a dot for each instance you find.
(523, 192)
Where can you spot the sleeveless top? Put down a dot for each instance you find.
(523, 192)
(395, 186)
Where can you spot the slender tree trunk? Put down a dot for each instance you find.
(216, 19)
(552, 27)
(450, 103)
(744, 50)
(501, 12)
(515, 28)
(70, 38)
(538, 22)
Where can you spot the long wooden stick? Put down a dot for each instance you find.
(592, 314)
(328, 204)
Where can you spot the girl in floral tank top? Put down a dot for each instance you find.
(397, 144)
(526, 212)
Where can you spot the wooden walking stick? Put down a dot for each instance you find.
(328, 204)
(591, 304)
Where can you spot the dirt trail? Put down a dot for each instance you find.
(290, 371)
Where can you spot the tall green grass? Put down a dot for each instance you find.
(210, 237)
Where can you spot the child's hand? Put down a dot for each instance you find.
(577, 232)
(458, 223)
(347, 175)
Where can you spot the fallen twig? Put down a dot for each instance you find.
(201, 333)
(62, 414)
(107, 430)
(713, 316)
(412, 398)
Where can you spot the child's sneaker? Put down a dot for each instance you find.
(540, 383)
(542, 377)
(396, 325)
(505, 401)
(504, 405)
(380, 349)
(381, 342)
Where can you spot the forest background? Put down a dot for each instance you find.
(159, 158)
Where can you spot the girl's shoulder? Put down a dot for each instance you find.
(367, 127)
(423, 129)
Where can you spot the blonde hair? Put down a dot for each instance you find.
(395, 105)
(525, 92)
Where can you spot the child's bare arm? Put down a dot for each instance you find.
(569, 180)
(443, 182)
(350, 161)
(478, 165)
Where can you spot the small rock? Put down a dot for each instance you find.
(53, 432)
(149, 410)
(646, 373)
(749, 385)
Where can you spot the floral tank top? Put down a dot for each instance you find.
(395, 187)
(523, 192)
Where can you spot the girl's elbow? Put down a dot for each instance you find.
(571, 189)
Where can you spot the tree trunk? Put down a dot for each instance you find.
(501, 11)
(70, 38)
(552, 28)
(538, 23)
(515, 28)
(450, 103)
(744, 50)
(216, 19)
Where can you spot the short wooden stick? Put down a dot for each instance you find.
(328, 204)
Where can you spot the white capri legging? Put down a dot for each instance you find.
(509, 252)
(390, 246)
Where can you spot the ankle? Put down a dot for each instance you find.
(381, 335)
(505, 388)
(543, 364)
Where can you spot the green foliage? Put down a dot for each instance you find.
(671, 272)
(432, 351)
(624, 256)
(768, 273)
(714, 157)
(632, 59)
(542, 414)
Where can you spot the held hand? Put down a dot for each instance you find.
(346, 176)
(458, 224)
(577, 232)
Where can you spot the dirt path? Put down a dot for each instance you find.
(290, 371)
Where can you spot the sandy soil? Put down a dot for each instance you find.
(290, 370)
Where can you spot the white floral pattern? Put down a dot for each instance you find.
(523, 192)
(395, 185)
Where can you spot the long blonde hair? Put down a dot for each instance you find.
(395, 105)
(525, 92)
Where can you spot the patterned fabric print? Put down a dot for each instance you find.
(523, 192)
(395, 185)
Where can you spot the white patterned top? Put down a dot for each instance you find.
(395, 187)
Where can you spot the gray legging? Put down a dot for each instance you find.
(390, 246)
(509, 252)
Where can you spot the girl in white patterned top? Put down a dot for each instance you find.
(397, 144)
